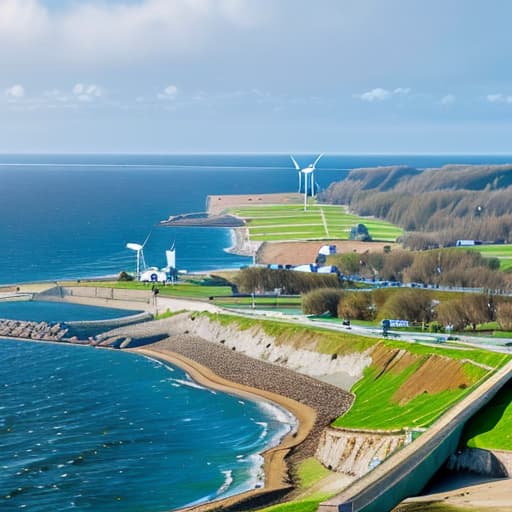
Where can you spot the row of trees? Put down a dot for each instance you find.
(451, 203)
(445, 267)
(261, 279)
(469, 310)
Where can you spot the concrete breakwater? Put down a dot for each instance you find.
(43, 331)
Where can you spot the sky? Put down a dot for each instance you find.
(200, 76)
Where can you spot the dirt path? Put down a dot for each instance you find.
(298, 253)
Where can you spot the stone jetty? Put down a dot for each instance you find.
(43, 331)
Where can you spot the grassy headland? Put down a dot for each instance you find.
(322, 222)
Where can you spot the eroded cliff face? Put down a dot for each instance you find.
(342, 371)
(355, 452)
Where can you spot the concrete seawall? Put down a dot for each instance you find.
(406, 473)
(101, 296)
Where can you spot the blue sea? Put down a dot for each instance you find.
(70, 216)
(87, 429)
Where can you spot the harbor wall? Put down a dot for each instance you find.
(116, 298)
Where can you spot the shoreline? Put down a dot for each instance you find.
(275, 468)
(274, 465)
(241, 245)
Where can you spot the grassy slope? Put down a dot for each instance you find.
(491, 427)
(374, 406)
(290, 222)
(309, 473)
(501, 251)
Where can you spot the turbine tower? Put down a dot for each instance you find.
(313, 167)
(139, 249)
(309, 172)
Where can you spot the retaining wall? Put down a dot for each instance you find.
(407, 472)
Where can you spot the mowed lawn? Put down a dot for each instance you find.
(319, 222)
(501, 251)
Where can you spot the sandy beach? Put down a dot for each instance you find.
(314, 404)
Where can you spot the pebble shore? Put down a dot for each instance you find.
(328, 401)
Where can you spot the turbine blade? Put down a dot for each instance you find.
(295, 163)
(147, 238)
(316, 161)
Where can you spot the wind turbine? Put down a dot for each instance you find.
(313, 167)
(139, 249)
(298, 169)
(309, 170)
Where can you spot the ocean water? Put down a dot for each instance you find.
(86, 429)
(39, 311)
(70, 216)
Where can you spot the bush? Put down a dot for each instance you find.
(124, 276)
(504, 315)
(357, 306)
(411, 305)
(360, 232)
(290, 282)
(318, 302)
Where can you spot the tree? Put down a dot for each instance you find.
(360, 232)
(357, 306)
(478, 309)
(412, 305)
(504, 315)
(323, 300)
(452, 313)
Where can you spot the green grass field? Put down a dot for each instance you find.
(491, 427)
(186, 289)
(319, 222)
(375, 407)
(501, 251)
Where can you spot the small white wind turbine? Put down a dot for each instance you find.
(139, 249)
(307, 171)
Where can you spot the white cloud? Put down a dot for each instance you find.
(15, 92)
(402, 90)
(169, 93)
(499, 98)
(379, 94)
(448, 99)
(87, 92)
(110, 31)
(22, 21)
(376, 94)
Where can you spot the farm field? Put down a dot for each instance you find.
(319, 222)
(501, 251)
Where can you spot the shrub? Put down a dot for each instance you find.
(357, 306)
(124, 276)
(321, 301)
(290, 282)
(504, 315)
(412, 305)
